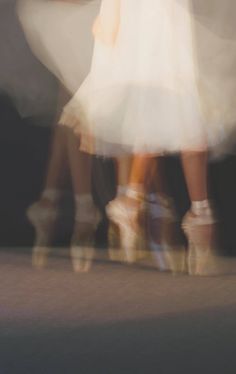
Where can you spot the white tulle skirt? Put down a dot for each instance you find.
(167, 84)
(59, 34)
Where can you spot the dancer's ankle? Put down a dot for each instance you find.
(201, 207)
(135, 192)
(51, 194)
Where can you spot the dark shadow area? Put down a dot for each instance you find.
(23, 158)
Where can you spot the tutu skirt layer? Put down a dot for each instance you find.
(167, 84)
(59, 34)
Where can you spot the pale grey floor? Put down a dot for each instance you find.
(115, 319)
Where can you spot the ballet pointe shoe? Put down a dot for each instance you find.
(125, 231)
(167, 250)
(82, 248)
(172, 243)
(43, 216)
(116, 247)
(82, 257)
(199, 226)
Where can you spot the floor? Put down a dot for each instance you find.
(114, 319)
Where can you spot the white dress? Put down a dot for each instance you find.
(167, 83)
(59, 34)
(30, 88)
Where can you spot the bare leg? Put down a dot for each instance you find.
(124, 211)
(58, 165)
(136, 176)
(133, 176)
(80, 164)
(142, 170)
(44, 213)
(58, 171)
(195, 171)
(86, 215)
(123, 170)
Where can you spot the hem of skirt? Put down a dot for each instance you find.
(87, 143)
(104, 148)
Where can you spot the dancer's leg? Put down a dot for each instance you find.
(86, 217)
(142, 170)
(198, 223)
(123, 166)
(57, 174)
(57, 171)
(195, 167)
(44, 213)
(80, 164)
(124, 210)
